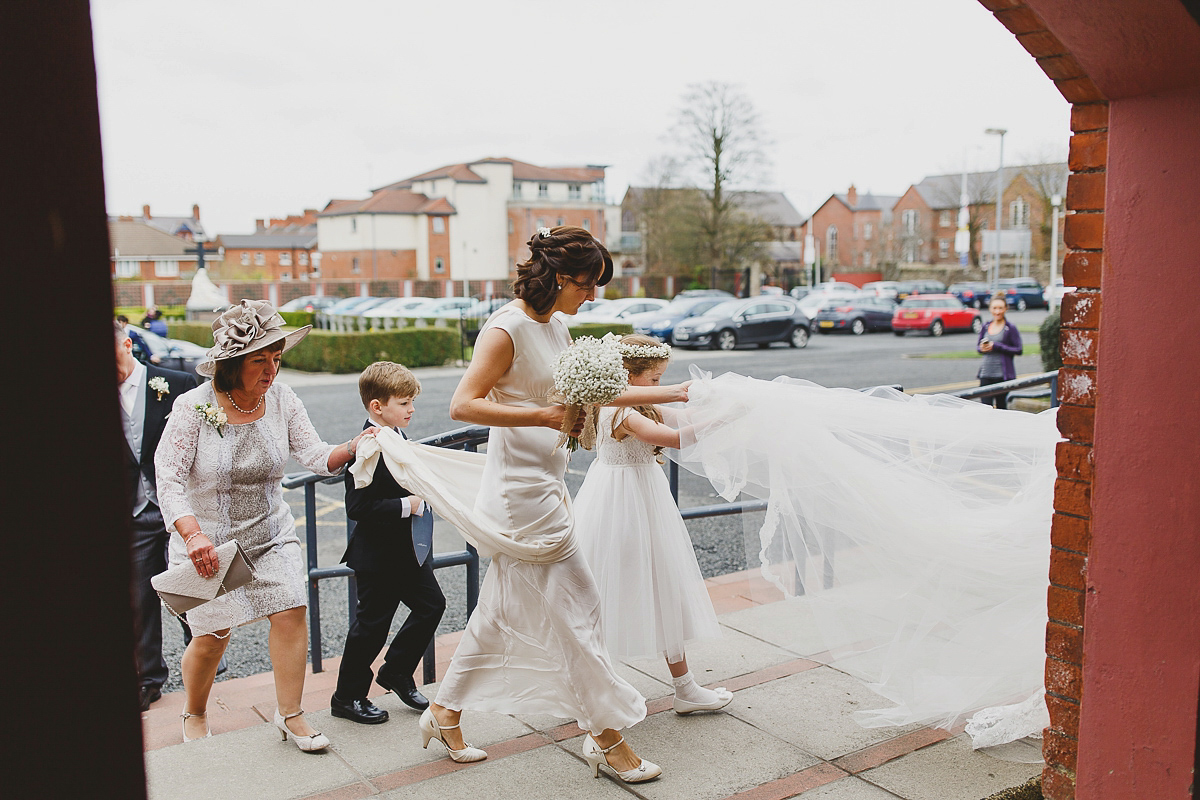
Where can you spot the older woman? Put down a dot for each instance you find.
(219, 466)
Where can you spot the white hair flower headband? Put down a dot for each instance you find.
(543, 233)
(645, 350)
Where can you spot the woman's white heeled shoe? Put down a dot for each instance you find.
(595, 755)
(430, 729)
(185, 716)
(724, 697)
(309, 744)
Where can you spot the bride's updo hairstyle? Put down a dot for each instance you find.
(555, 254)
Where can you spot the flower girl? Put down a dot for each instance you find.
(652, 596)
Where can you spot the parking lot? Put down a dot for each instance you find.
(914, 361)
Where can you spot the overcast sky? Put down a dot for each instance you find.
(255, 109)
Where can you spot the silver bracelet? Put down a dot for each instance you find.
(189, 538)
(348, 450)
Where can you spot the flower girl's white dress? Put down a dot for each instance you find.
(652, 596)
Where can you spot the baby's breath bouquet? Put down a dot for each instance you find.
(588, 374)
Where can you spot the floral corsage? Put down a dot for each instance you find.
(159, 385)
(214, 416)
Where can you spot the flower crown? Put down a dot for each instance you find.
(655, 351)
(543, 233)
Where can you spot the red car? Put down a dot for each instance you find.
(936, 313)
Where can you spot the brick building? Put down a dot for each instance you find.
(142, 251)
(278, 250)
(852, 234)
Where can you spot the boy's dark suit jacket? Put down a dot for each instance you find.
(153, 422)
(381, 538)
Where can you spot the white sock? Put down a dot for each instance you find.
(687, 689)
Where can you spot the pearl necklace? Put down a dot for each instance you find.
(244, 411)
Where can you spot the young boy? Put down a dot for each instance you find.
(385, 565)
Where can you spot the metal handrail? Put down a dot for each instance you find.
(993, 389)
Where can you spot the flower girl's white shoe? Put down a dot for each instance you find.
(595, 756)
(309, 744)
(723, 698)
(207, 733)
(430, 729)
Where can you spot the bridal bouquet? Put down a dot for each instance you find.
(588, 374)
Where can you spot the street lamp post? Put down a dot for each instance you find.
(999, 201)
(1055, 202)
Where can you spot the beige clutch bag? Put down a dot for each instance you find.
(182, 589)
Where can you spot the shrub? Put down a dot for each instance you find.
(598, 329)
(198, 332)
(1049, 335)
(323, 351)
(298, 319)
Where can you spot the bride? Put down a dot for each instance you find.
(914, 530)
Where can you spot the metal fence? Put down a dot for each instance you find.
(469, 438)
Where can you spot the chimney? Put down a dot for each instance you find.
(258, 225)
(146, 212)
(852, 195)
(196, 211)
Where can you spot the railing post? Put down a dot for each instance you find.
(1054, 390)
(314, 593)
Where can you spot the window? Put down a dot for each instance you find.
(628, 221)
(541, 223)
(574, 191)
(127, 268)
(831, 244)
(354, 264)
(439, 224)
(285, 276)
(516, 190)
(943, 248)
(511, 227)
(910, 218)
(302, 258)
(260, 259)
(1019, 213)
(587, 223)
(166, 269)
(439, 265)
(945, 219)
(285, 258)
(245, 258)
(354, 224)
(560, 222)
(543, 190)
(866, 257)
(868, 229)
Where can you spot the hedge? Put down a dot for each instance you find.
(323, 351)
(1048, 335)
(197, 332)
(298, 319)
(598, 329)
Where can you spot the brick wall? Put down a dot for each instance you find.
(388, 264)
(1070, 533)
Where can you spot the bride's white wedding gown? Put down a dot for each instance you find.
(914, 530)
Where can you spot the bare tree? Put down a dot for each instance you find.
(981, 198)
(719, 130)
(1048, 177)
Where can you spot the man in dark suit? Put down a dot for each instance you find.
(387, 567)
(147, 394)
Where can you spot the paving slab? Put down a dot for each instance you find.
(846, 789)
(223, 767)
(814, 711)
(949, 770)
(545, 773)
(714, 660)
(707, 757)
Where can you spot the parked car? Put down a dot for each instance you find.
(308, 303)
(885, 290)
(813, 302)
(355, 305)
(482, 309)
(167, 353)
(618, 310)
(660, 323)
(799, 292)
(770, 291)
(1022, 293)
(1054, 293)
(857, 316)
(399, 307)
(905, 288)
(759, 320)
(446, 307)
(935, 313)
(836, 286)
(703, 293)
(971, 293)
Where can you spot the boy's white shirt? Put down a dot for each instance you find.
(405, 505)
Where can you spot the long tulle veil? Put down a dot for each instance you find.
(912, 531)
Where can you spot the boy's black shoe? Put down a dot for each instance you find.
(405, 689)
(363, 711)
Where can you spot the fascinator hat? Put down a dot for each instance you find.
(250, 325)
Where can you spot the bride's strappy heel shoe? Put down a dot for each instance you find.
(309, 744)
(185, 716)
(430, 729)
(596, 755)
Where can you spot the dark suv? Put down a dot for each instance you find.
(1022, 293)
